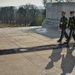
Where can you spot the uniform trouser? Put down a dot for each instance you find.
(71, 34)
(63, 33)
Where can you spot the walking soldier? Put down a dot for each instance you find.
(63, 26)
(71, 26)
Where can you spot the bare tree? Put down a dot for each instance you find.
(26, 14)
(44, 2)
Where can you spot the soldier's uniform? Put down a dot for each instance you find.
(63, 26)
(71, 26)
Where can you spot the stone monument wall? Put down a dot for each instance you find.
(53, 13)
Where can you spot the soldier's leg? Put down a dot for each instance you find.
(70, 36)
(66, 35)
(73, 35)
(62, 35)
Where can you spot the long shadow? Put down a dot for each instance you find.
(52, 32)
(55, 56)
(29, 49)
(68, 62)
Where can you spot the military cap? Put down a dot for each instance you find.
(71, 12)
(63, 12)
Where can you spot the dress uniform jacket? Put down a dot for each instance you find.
(71, 23)
(63, 22)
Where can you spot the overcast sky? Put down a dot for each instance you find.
(20, 2)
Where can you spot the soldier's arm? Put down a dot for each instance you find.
(74, 20)
(69, 23)
(66, 21)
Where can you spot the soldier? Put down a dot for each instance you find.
(71, 26)
(63, 26)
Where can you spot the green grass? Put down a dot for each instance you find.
(1, 27)
(39, 20)
(7, 25)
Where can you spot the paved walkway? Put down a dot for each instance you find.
(34, 51)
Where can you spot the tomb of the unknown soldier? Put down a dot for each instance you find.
(53, 12)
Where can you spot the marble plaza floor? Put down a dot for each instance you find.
(34, 51)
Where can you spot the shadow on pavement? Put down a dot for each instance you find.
(52, 32)
(67, 63)
(55, 56)
(29, 49)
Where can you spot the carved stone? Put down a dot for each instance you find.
(53, 13)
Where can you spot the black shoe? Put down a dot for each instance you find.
(67, 46)
(59, 41)
(65, 43)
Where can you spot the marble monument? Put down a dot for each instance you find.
(53, 12)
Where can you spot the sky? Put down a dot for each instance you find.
(20, 2)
